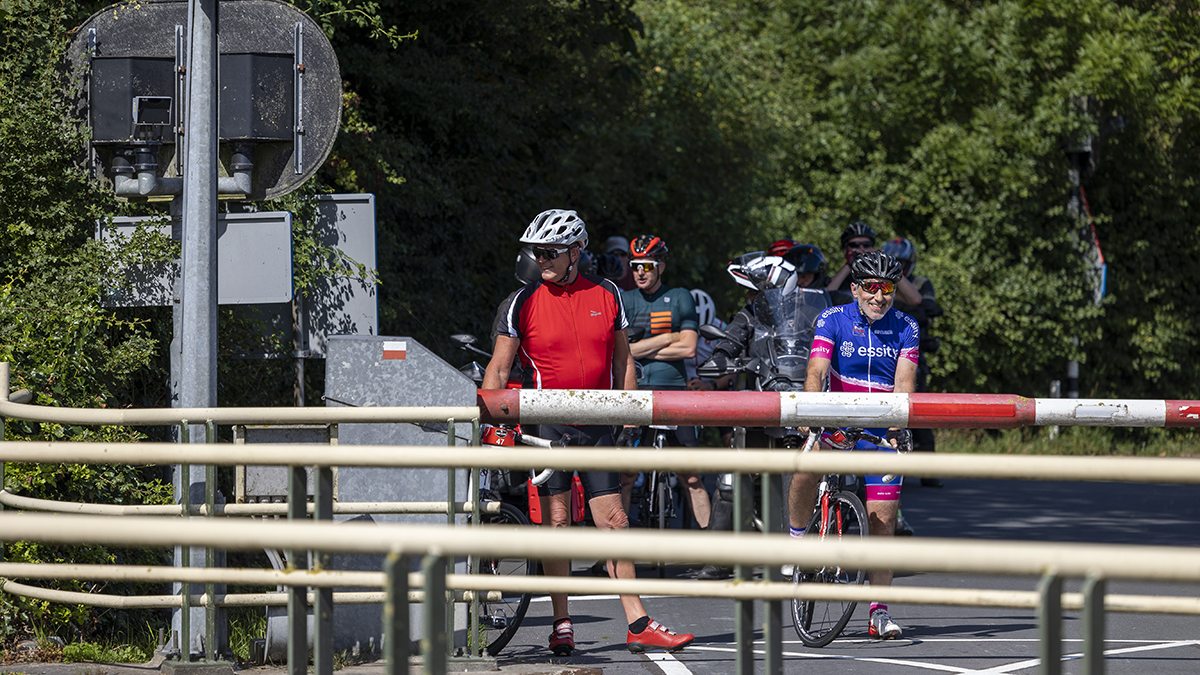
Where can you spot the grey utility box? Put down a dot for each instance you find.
(358, 373)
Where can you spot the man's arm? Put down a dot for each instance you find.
(496, 375)
(906, 377)
(624, 375)
(684, 347)
(907, 293)
(839, 277)
(818, 369)
(649, 346)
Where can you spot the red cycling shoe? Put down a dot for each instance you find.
(562, 639)
(656, 636)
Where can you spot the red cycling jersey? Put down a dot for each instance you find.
(567, 333)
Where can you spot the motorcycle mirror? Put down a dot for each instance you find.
(474, 371)
(463, 340)
(711, 332)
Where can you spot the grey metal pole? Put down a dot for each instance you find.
(199, 358)
(197, 334)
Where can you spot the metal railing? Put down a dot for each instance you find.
(1051, 561)
(1055, 561)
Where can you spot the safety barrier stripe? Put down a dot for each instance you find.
(789, 409)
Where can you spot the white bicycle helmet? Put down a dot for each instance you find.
(556, 226)
(706, 309)
(772, 272)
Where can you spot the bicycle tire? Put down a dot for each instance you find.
(819, 622)
(499, 620)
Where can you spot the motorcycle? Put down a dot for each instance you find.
(776, 357)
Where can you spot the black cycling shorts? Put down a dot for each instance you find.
(595, 483)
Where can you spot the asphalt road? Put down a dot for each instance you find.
(936, 639)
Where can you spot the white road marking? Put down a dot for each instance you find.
(1033, 663)
(668, 663)
(1142, 646)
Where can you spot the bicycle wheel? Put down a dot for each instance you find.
(499, 620)
(819, 622)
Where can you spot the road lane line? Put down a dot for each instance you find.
(1033, 663)
(668, 663)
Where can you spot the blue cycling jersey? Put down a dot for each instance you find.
(863, 355)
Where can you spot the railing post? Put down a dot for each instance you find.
(743, 514)
(297, 649)
(772, 505)
(1049, 617)
(323, 607)
(396, 635)
(451, 511)
(210, 554)
(1093, 625)
(434, 643)
(475, 645)
(185, 552)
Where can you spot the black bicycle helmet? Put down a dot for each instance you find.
(903, 250)
(808, 259)
(855, 230)
(876, 265)
(527, 268)
(648, 247)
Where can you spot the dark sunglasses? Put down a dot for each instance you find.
(860, 244)
(547, 253)
(874, 287)
(643, 265)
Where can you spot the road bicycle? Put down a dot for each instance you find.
(655, 500)
(839, 514)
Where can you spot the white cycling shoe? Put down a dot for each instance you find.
(881, 626)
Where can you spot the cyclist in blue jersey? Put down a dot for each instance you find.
(864, 346)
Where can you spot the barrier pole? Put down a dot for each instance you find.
(396, 635)
(297, 649)
(322, 597)
(433, 641)
(1093, 625)
(772, 504)
(743, 627)
(1049, 619)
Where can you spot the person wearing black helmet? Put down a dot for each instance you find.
(858, 238)
(906, 252)
(864, 346)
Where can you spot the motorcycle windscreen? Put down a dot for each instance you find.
(790, 319)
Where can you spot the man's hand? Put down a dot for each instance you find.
(697, 384)
(899, 439)
(629, 437)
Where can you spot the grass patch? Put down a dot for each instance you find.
(1091, 441)
(246, 624)
(97, 653)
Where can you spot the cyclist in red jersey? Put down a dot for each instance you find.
(568, 329)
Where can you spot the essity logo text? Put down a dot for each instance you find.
(879, 352)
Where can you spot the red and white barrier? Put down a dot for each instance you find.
(790, 409)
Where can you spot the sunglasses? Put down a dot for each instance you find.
(547, 253)
(860, 244)
(643, 265)
(874, 287)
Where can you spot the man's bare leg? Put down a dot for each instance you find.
(556, 512)
(608, 514)
(802, 498)
(882, 518)
(701, 507)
